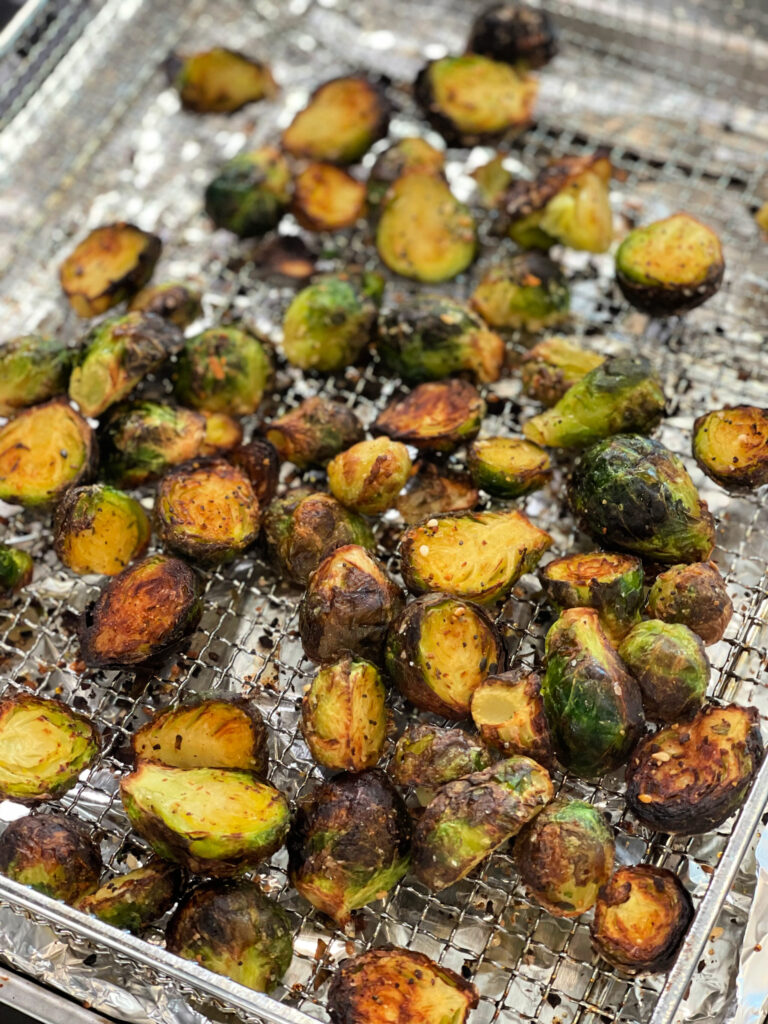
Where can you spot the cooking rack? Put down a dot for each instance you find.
(93, 134)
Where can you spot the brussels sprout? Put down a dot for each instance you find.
(349, 843)
(432, 490)
(695, 595)
(689, 777)
(207, 511)
(406, 156)
(284, 259)
(498, 547)
(260, 463)
(326, 198)
(553, 366)
(341, 121)
(641, 917)
(223, 369)
(508, 712)
(671, 667)
(492, 180)
(250, 193)
(137, 898)
(610, 583)
(222, 434)
(232, 928)
(44, 451)
(117, 355)
(33, 368)
(344, 717)
(437, 416)
(470, 817)
(109, 265)
(53, 853)
(631, 492)
(424, 232)
(98, 529)
(431, 337)
(16, 568)
(593, 706)
(508, 467)
(428, 756)
(515, 33)
(212, 821)
(369, 476)
(177, 301)
(315, 431)
(528, 291)
(348, 606)
(670, 266)
(44, 746)
(731, 446)
(564, 856)
(142, 440)
(219, 81)
(439, 650)
(141, 614)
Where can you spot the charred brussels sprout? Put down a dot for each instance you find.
(432, 490)
(553, 366)
(341, 121)
(326, 198)
(16, 568)
(137, 898)
(428, 756)
(141, 441)
(508, 712)
(53, 853)
(223, 369)
(631, 492)
(219, 81)
(437, 416)
(508, 467)
(731, 446)
(177, 301)
(222, 434)
(33, 368)
(528, 291)
(406, 156)
(612, 584)
(515, 33)
(98, 529)
(369, 476)
(695, 595)
(671, 667)
(250, 193)
(349, 843)
(315, 431)
(670, 266)
(260, 463)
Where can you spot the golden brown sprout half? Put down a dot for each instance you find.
(326, 198)
(508, 712)
(219, 81)
(436, 416)
(731, 446)
(432, 490)
(341, 121)
(99, 529)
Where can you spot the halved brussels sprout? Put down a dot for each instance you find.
(219, 81)
(695, 595)
(137, 898)
(527, 290)
(610, 583)
(348, 606)
(326, 198)
(212, 821)
(33, 368)
(250, 193)
(232, 928)
(222, 434)
(478, 556)
(437, 416)
(689, 777)
(670, 266)
(53, 853)
(260, 463)
(508, 711)
(731, 446)
(432, 490)
(515, 33)
(405, 156)
(470, 817)
(369, 476)
(671, 667)
(553, 366)
(439, 650)
(141, 614)
(44, 451)
(426, 755)
(16, 568)
(109, 265)
(349, 843)
(98, 529)
(142, 440)
(177, 301)
(564, 856)
(223, 369)
(341, 121)
(315, 431)
(592, 704)
(631, 492)
(508, 467)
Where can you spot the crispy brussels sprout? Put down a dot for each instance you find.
(508, 712)
(109, 265)
(553, 366)
(53, 853)
(731, 446)
(344, 716)
(439, 650)
(564, 856)
(44, 451)
(695, 595)
(406, 156)
(437, 416)
(223, 369)
(177, 301)
(315, 431)
(142, 440)
(349, 843)
(593, 706)
(222, 434)
(260, 463)
(469, 818)
(98, 529)
(326, 198)
(528, 291)
(369, 476)
(219, 81)
(16, 568)
(689, 777)
(432, 490)
(341, 121)
(33, 368)
(631, 492)
(610, 583)
(137, 898)
(671, 667)
(429, 756)
(478, 556)
(508, 467)
(348, 606)
(212, 821)
(670, 266)
(141, 614)
(250, 193)
(514, 33)
(232, 928)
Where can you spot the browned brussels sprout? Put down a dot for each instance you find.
(508, 712)
(429, 756)
(508, 467)
(33, 368)
(250, 193)
(16, 568)
(527, 290)
(137, 898)
(141, 614)
(53, 853)
(437, 416)
(109, 265)
(284, 259)
(341, 121)
(439, 650)
(260, 463)
(326, 198)
(219, 81)
(142, 440)
(223, 369)
(177, 301)
(731, 446)
(222, 434)
(315, 431)
(432, 490)
(553, 366)
(695, 595)
(349, 843)
(406, 156)
(689, 777)
(514, 33)
(610, 583)
(98, 529)
(670, 266)
(671, 667)
(369, 476)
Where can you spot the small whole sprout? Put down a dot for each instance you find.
(508, 467)
(16, 568)
(99, 529)
(432, 490)
(514, 33)
(33, 369)
(406, 156)
(261, 464)
(222, 434)
(527, 290)
(695, 595)
(136, 898)
(139, 442)
(177, 301)
(426, 755)
(553, 366)
(326, 198)
(369, 476)
(341, 121)
(315, 431)
(671, 667)
(508, 711)
(613, 584)
(53, 853)
(436, 416)
(219, 81)
(223, 369)
(250, 192)
(731, 446)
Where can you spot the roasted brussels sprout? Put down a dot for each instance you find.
(137, 898)
(349, 843)
(326, 198)
(223, 369)
(593, 706)
(631, 492)
(671, 667)
(260, 463)
(406, 156)
(232, 928)
(437, 416)
(731, 446)
(492, 180)
(142, 440)
(16, 568)
(212, 821)
(695, 595)
(109, 265)
(53, 853)
(369, 476)
(610, 583)
(219, 81)
(44, 451)
(348, 606)
(177, 301)
(564, 856)
(508, 712)
(250, 193)
(439, 650)
(508, 467)
(98, 529)
(470, 817)
(689, 777)
(553, 366)
(141, 614)
(527, 290)
(429, 756)
(670, 266)
(341, 121)
(514, 33)
(33, 368)
(222, 434)
(498, 547)
(432, 490)
(315, 431)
